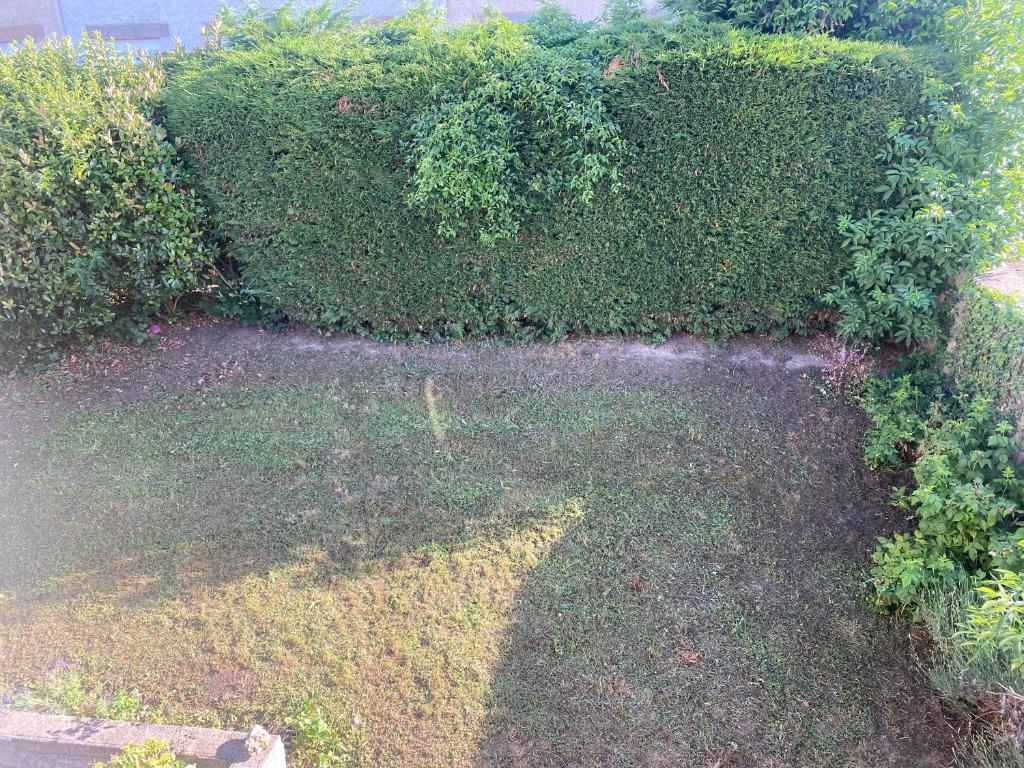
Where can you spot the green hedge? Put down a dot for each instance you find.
(739, 156)
(97, 229)
(987, 349)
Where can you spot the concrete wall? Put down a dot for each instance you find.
(28, 740)
(184, 19)
(29, 18)
(156, 24)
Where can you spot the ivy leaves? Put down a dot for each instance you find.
(905, 256)
(530, 129)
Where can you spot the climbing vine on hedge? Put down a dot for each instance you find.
(525, 132)
(954, 186)
(905, 256)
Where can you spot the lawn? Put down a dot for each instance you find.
(587, 554)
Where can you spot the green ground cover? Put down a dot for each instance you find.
(582, 554)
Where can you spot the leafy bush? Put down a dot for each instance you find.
(322, 743)
(97, 231)
(901, 408)
(954, 186)
(968, 502)
(906, 256)
(694, 186)
(151, 753)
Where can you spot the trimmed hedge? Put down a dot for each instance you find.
(739, 156)
(987, 349)
(97, 231)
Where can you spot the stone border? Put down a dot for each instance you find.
(28, 740)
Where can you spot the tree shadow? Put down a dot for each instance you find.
(717, 619)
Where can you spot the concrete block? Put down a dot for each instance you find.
(28, 740)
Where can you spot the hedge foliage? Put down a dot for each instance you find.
(954, 193)
(696, 187)
(987, 349)
(916, 21)
(97, 231)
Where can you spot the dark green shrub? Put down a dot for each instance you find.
(901, 408)
(987, 349)
(97, 232)
(716, 213)
(914, 21)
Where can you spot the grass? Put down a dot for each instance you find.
(468, 556)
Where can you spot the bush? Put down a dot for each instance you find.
(97, 232)
(954, 186)
(968, 502)
(691, 187)
(901, 408)
(320, 742)
(906, 256)
(915, 21)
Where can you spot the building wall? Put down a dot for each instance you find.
(157, 24)
(181, 19)
(29, 18)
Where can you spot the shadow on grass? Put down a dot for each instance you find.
(677, 631)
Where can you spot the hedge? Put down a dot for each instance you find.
(987, 349)
(736, 158)
(97, 228)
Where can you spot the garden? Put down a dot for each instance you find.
(543, 393)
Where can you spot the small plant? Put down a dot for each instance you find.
(321, 742)
(972, 657)
(900, 407)
(997, 621)
(969, 504)
(64, 691)
(151, 753)
(850, 364)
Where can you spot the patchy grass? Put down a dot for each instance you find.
(569, 555)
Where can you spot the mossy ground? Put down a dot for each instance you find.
(575, 554)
